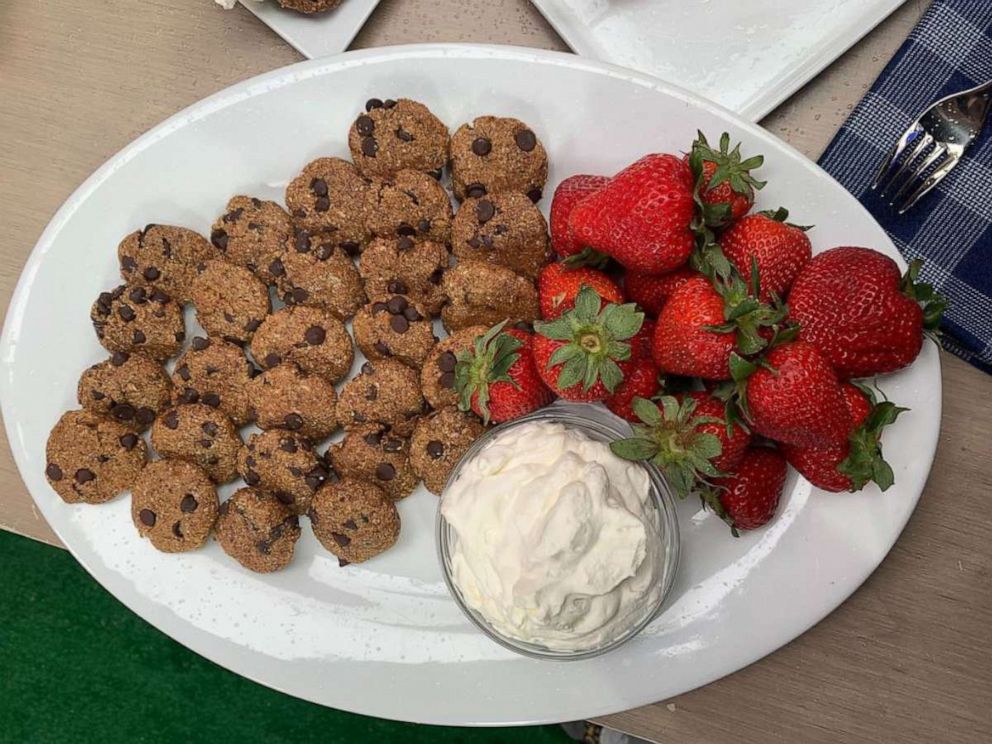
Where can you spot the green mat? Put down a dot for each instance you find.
(77, 666)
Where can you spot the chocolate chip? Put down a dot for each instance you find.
(97, 395)
(123, 412)
(151, 273)
(171, 420)
(379, 307)
(129, 441)
(392, 445)
(388, 103)
(85, 475)
(183, 372)
(526, 140)
(276, 268)
(399, 324)
(447, 380)
(119, 357)
(252, 478)
(300, 295)
(159, 296)
(436, 276)
(382, 349)
(324, 251)
(54, 472)
(319, 186)
(350, 524)
(315, 478)
(255, 202)
(128, 264)
(481, 146)
(367, 368)
(485, 211)
(365, 125)
(373, 103)
(219, 238)
(293, 421)
(263, 547)
(396, 287)
(369, 147)
(288, 445)
(384, 471)
(404, 244)
(209, 428)
(144, 415)
(138, 337)
(342, 540)
(188, 504)
(475, 190)
(351, 248)
(189, 395)
(397, 304)
(302, 241)
(233, 216)
(322, 204)
(373, 438)
(252, 325)
(177, 530)
(272, 359)
(147, 517)
(412, 314)
(285, 498)
(126, 312)
(211, 399)
(372, 393)
(447, 361)
(435, 449)
(403, 135)
(295, 471)
(315, 335)
(228, 317)
(424, 226)
(405, 229)
(474, 242)
(199, 343)
(535, 195)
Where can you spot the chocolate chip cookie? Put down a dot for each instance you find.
(91, 458)
(174, 504)
(394, 328)
(437, 376)
(230, 301)
(130, 388)
(216, 374)
(313, 338)
(405, 266)
(384, 392)
(284, 464)
(375, 453)
(412, 204)
(315, 271)
(354, 519)
(438, 443)
(496, 154)
(201, 435)
(310, 6)
(163, 256)
(330, 197)
(252, 233)
(505, 229)
(481, 293)
(257, 530)
(396, 135)
(285, 397)
(138, 319)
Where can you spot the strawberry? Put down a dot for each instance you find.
(687, 437)
(497, 378)
(853, 305)
(640, 381)
(583, 355)
(569, 193)
(642, 216)
(779, 249)
(641, 343)
(651, 291)
(558, 284)
(748, 499)
(850, 465)
(724, 184)
(793, 396)
(701, 325)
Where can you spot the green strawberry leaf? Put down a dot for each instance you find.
(610, 375)
(587, 304)
(740, 368)
(647, 411)
(634, 448)
(557, 330)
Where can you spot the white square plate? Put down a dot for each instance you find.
(318, 35)
(748, 55)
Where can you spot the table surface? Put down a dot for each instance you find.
(907, 658)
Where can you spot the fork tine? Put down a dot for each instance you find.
(938, 152)
(908, 136)
(925, 141)
(932, 180)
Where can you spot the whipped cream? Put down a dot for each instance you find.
(556, 538)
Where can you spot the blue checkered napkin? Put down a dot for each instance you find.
(950, 50)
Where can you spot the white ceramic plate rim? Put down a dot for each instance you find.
(286, 76)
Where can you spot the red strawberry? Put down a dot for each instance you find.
(748, 499)
(584, 354)
(794, 397)
(651, 291)
(850, 465)
(558, 284)
(569, 192)
(853, 305)
(779, 249)
(497, 378)
(725, 184)
(640, 381)
(683, 343)
(686, 437)
(641, 343)
(642, 216)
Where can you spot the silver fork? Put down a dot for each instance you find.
(939, 137)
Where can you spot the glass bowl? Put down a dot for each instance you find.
(599, 424)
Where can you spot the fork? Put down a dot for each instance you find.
(939, 137)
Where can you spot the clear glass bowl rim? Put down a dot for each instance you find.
(603, 425)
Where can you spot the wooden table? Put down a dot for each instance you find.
(907, 659)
